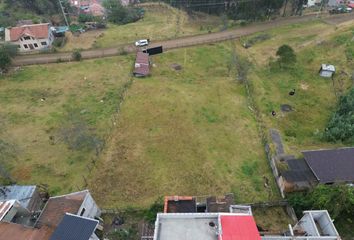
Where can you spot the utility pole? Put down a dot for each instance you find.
(63, 11)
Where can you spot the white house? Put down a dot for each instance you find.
(30, 37)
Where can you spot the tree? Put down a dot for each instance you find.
(5, 59)
(286, 55)
(119, 14)
(340, 127)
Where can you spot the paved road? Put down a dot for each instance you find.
(181, 42)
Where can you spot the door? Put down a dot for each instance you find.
(31, 46)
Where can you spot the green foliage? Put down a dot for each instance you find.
(76, 55)
(5, 59)
(119, 14)
(337, 199)
(340, 127)
(156, 207)
(85, 18)
(123, 234)
(249, 168)
(286, 55)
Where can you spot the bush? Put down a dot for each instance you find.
(119, 14)
(337, 199)
(340, 127)
(156, 207)
(76, 55)
(286, 55)
(5, 59)
(85, 18)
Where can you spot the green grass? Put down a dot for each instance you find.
(185, 132)
(73, 93)
(315, 98)
(160, 22)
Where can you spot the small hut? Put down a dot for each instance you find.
(327, 70)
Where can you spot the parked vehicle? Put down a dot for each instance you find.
(142, 42)
(341, 9)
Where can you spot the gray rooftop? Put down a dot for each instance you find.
(22, 194)
(187, 226)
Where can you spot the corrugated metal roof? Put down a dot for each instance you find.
(22, 194)
(74, 227)
(335, 165)
(5, 207)
(239, 227)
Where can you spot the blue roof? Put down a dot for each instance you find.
(74, 227)
(61, 29)
(23, 194)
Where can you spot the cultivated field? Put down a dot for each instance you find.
(160, 22)
(53, 117)
(187, 132)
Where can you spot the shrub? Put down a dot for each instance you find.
(5, 59)
(337, 199)
(340, 127)
(156, 207)
(286, 55)
(119, 14)
(76, 55)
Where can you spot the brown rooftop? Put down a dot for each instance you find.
(39, 31)
(10, 231)
(56, 208)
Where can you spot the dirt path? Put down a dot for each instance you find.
(182, 42)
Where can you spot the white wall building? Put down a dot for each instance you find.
(30, 37)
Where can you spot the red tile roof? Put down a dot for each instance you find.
(238, 228)
(10, 231)
(38, 31)
(56, 208)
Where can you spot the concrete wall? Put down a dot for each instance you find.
(90, 206)
(37, 44)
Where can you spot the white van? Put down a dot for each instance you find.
(142, 42)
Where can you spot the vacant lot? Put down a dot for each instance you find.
(159, 22)
(315, 97)
(187, 132)
(54, 118)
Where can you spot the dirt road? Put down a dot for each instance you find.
(182, 42)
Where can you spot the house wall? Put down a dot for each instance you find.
(94, 237)
(36, 201)
(90, 206)
(38, 44)
(324, 73)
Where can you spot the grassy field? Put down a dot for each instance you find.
(315, 97)
(54, 116)
(185, 132)
(159, 22)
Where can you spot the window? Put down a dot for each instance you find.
(44, 43)
(82, 211)
(35, 45)
(18, 46)
(27, 38)
(25, 45)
